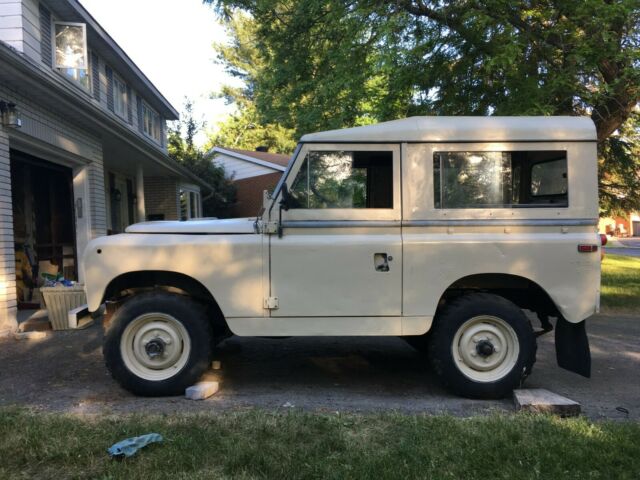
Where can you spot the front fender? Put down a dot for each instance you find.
(228, 266)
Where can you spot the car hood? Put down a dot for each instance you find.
(202, 226)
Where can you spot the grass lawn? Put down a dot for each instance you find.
(257, 444)
(620, 284)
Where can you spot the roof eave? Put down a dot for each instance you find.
(59, 88)
(247, 158)
(168, 111)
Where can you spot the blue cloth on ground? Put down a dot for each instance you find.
(130, 446)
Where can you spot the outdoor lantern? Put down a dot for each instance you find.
(10, 117)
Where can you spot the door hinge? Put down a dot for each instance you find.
(271, 303)
(270, 227)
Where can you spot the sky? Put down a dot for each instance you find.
(171, 42)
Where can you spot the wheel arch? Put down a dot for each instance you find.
(522, 291)
(130, 283)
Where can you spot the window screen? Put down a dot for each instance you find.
(341, 179)
(500, 179)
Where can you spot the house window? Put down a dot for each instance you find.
(150, 122)
(517, 179)
(190, 204)
(120, 99)
(71, 58)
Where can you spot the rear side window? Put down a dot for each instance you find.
(343, 179)
(517, 179)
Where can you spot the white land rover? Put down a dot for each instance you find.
(441, 230)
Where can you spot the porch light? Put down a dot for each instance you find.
(9, 113)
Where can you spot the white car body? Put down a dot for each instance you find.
(320, 276)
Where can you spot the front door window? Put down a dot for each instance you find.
(344, 179)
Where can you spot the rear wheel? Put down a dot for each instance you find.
(158, 344)
(482, 346)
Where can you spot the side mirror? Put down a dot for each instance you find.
(285, 200)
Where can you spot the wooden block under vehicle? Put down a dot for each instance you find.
(201, 390)
(539, 400)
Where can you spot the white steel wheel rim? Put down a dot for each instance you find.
(485, 348)
(155, 346)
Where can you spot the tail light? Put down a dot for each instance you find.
(603, 239)
(587, 248)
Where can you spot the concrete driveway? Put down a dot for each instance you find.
(65, 372)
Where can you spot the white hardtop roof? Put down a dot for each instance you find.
(465, 129)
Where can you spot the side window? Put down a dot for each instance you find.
(344, 179)
(120, 99)
(500, 179)
(549, 178)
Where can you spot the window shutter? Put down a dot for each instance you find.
(95, 75)
(162, 132)
(46, 52)
(109, 73)
(139, 109)
(129, 106)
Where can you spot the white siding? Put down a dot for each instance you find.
(31, 29)
(11, 23)
(240, 169)
(20, 26)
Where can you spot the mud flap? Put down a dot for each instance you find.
(572, 347)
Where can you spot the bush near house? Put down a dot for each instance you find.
(293, 444)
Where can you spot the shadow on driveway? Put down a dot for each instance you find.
(65, 372)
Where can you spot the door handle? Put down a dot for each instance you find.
(381, 262)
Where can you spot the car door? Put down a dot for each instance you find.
(340, 252)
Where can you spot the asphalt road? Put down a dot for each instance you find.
(65, 372)
(630, 252)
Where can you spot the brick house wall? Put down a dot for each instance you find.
(249, 193)
(161, 197)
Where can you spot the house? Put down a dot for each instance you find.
(252, 173)
(82, 146)
(621, 226)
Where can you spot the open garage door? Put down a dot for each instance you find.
(43, 224)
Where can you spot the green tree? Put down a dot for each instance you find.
(245, 129)
(181, 147)
(319, 64)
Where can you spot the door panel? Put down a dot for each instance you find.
(340, 254)
(335, 272)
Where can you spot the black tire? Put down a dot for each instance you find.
(187, 312)
(452, 318)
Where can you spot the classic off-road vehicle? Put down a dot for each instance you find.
(440, 230)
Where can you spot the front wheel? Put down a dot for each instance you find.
(482, 346)
(158, 344)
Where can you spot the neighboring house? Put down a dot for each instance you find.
(252, 173)
(628, 226)
(82, 146)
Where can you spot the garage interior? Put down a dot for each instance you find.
(43, 225)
